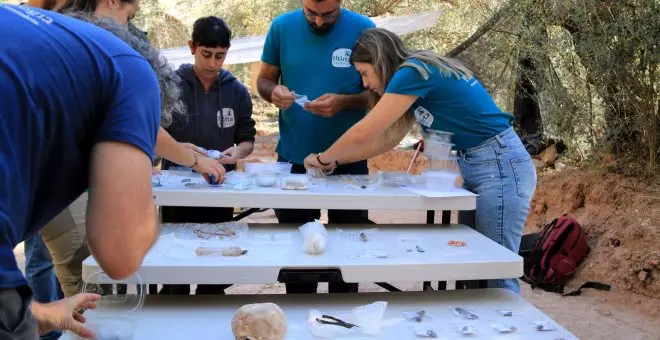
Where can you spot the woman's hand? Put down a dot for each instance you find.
(210, 167)
(312, 162)
(194, 148)
(63, 314)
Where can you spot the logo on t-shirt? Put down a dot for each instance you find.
(423, 116)
(341, 57)
(225, 118)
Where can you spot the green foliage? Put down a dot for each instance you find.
(597, 60)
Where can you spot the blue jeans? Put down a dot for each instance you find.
(501, 172)
(40, 275)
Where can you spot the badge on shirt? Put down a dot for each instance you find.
(423, 116)
(225, 118)
(341, 57)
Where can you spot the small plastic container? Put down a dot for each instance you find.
(437, 135)
(398, 178)
(295, 182)
(113, 317)
(440, 180)
(281, 168)
(437, 150)
(238, 180)
(448, 163)
(267, 179)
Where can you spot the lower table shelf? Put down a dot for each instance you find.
(209, 317)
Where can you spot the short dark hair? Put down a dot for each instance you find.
(211, 32)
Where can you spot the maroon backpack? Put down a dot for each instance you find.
(557, 253)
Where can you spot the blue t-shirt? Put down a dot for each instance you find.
(64, 86)
(313, 65)
(460, 106)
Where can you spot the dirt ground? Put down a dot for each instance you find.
(620, 215)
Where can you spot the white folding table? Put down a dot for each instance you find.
(336, 193)
(209, 317)
(276, 250)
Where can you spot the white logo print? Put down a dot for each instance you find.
(423, 116)
(225, 118)
(341, 57)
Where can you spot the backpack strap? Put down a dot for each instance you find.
(590, 284)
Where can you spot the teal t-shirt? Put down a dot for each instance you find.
(313, 65)
(460, 106)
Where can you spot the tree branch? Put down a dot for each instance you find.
(487, 26)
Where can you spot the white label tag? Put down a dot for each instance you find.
(423, 116)
(225, 118)
(341, 57)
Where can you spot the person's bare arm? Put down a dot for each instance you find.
(186, 155)
(270, 90)
(167, 147)
(269, 76)
(121, 216)
(378, 146)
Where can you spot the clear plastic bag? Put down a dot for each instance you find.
(466, 330)
(315, 237)
(465, 313)
(367, 318)
(505, 312)
(368, 235)
(544, 326)
(503, 328)
(425, 332)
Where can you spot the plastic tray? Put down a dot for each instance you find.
(120, 299)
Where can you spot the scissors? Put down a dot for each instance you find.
(335, 321)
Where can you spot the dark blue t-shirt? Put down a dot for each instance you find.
(461, 106)
(64, 86)
(313, 65)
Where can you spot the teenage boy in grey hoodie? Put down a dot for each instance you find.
(219, 118)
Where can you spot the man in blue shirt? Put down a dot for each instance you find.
(80, 109)
(307, 53)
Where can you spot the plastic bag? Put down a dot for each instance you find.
(503, 328)
(425, 332)
(368, 318)
(315, 237)
(465, 313)
(544, 326)
(301, 100)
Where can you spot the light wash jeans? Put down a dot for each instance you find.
(501, 172)
(40, 275)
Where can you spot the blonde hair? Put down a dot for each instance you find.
(386, 52)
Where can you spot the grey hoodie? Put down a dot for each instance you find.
(217, 119)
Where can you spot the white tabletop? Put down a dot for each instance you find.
(335, 194)
(209, 317)
(173, 259)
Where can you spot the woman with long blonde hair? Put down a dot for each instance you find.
(441, 94)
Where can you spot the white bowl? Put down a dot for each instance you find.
(267, 179)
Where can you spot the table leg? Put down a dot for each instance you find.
(388, 286)
(446, 216)
(427, 285)
(451, 285)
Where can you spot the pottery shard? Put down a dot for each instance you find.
(259, 321)
(643, 275)
(549, 155)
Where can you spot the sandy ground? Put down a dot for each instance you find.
(590, 316)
